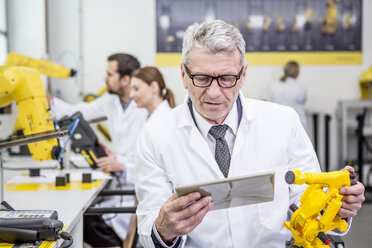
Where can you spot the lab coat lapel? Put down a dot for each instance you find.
(197, 143)
(200, 147)
(242, 133)
(243, 139)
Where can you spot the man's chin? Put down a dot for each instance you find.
(111, 91)
(213, 116)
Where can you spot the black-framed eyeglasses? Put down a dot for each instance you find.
(204, 81)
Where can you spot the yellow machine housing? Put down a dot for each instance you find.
(319, 206)
(24, 86)
(365, 84)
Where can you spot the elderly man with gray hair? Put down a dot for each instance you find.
(217, 133)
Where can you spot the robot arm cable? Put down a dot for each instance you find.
(72, 126)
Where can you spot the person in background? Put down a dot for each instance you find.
(215, 134)
(124, 121)
(150, 92)
(289, 92)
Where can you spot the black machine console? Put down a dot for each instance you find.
(29, 225)
(84, 140)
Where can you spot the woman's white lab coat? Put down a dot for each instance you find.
(124, 127)
(172, 151)
(292, 94)
(162, 109)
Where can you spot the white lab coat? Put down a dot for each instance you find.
(162, 109)
(121, 222)
(292, 94)
(124, 127)
(172, 151)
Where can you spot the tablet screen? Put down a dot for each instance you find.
(234, 191)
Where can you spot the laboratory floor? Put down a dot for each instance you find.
(360, 234)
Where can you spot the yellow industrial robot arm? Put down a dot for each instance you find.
(44, 67)
(25, 87)
(21, 82)
(317, 213)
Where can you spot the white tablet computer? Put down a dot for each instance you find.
(234, 191)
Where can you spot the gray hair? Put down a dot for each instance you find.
(213, 36)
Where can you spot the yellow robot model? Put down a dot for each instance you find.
(21, 82)
(317, 213)
(330, 23)
(348, 23)
(279, 25)
(267, 22)
(309, 15)
(365, 84)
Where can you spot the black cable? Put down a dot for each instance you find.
(79, 167)
(65, 236)
(74, 165)
(68, 244)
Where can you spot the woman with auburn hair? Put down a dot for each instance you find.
(149, 91)
(289, 92)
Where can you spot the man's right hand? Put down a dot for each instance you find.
(109, 162)
(175, 219)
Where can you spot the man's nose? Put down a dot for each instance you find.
(214, 90)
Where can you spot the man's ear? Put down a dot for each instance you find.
(243, 77)
(245, 71)
(125, 81)
(184, 75)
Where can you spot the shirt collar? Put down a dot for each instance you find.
(232, 120)
(126, 105)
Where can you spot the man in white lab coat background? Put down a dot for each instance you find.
(217, 133)
(124, 121)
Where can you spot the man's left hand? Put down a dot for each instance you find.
(110, 164)
(353, 198)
